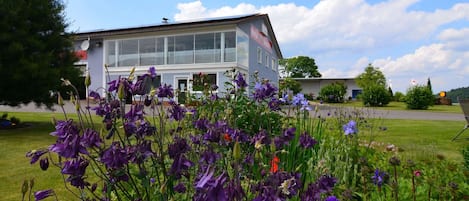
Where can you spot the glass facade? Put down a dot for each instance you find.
(180, 49)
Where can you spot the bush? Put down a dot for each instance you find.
(399, 97)
(333, 93)
(419, 97)
(290, 84)
(375, 95)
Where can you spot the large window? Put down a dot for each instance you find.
(207, 48)
(181, 49)
(128, 53)
(230, 46)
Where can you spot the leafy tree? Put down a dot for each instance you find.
(371, 76)
(36, 51)
(301, 66)
(290, 84)
(373, 83)
(419, 97)
(333, 93)
(462, 92)
(398, 97)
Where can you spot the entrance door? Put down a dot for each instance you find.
(182, 91)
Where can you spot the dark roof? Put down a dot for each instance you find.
(101, 33)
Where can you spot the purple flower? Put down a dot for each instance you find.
(350, 128)
(331, 198)
(180, 188)
(323, 185)
(35, 155)
(152, 72)
(274, 104)
(201, 124)
(379, 177)
(178, 147)
(40, 195)
(141, 86)
(95, 95)
(69, 146)
(211, 188)
(264, 91)
(113, 85)
(114, 157)
(177, 112)
(306, 141)
(278, 186)
(180, 166)
(240, 82)
(76, 169)
(140, 152)
(234, 190)
(165, 91)
(209, 157)
(298, 99)
(91, 138)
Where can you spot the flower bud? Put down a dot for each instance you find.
(236, 151)
(24, 188)
(87, 79)
(44, 163)
(121, 91)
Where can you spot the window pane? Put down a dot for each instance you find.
(147, 51)
(111, 53)
(171, 50)
(159, 51)
(205, 48)
(230, 46)
(184, 49)
(128, 53)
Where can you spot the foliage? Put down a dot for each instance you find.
(232, 147)
(462, 92)
(399, 97)
(300, 67)
(35, 51)
(375, 95)
(333, 93)
(465, 154)
(5, 123)
(371, 76)
(419, 97)
(290, 84)
(429, 85)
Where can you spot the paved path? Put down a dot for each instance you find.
(323, 111)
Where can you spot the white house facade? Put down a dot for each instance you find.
(181, 51)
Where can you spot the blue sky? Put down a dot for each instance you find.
(407, 39)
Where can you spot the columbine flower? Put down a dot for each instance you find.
(91, 138)
(264, 91)
(152, 72)
(306, 141)
(323, 185)
(240, 82)
(165, 91)
(114, 157)
(331, 198)
(40, 195)
(177, 112)
(44, 163)
(76, 169)
(350, 128)
(35, 155)
(180, 188)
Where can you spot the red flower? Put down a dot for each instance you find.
(227, 137)
(274, 164)
(417, 173)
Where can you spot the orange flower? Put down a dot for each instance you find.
(227, 137)
(274, 164)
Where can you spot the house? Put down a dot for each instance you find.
(182, 51)
(312, 86)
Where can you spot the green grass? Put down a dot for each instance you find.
(419, 139)
(402, 106)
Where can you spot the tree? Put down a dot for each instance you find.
(371, 76)
(429, 85)
(373, 83)
(36, 51)
(300, 67)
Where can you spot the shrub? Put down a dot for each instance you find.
(375, 95)
(290, 84)
(419, 97)
(333, 93)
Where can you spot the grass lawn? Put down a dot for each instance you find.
(419, 139)
(402, 106)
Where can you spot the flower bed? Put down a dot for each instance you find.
(231, 146)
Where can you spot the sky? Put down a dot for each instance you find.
(410, 41)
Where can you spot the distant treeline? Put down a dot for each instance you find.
(453, 94)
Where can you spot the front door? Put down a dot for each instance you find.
(182, 91)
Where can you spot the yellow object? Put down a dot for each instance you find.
(442, 93)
